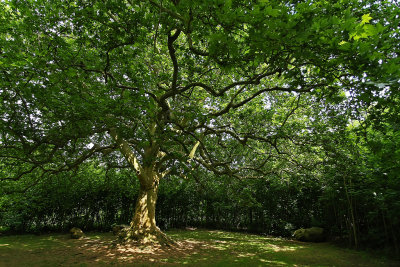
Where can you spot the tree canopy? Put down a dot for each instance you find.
(178, 86)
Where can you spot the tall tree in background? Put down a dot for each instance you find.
(170, 85)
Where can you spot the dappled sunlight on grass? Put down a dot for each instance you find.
(273, 263)
(193, 248)
(245, 255)
(276, 248)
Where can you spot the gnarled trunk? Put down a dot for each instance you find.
(144, 218)
(143, 226)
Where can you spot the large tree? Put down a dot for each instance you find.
(177, 85)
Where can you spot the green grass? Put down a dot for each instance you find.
(197, 248)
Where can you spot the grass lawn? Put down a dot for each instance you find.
(195, 248)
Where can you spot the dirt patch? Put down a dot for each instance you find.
(92, 251)
(100, 250)
(193, 248)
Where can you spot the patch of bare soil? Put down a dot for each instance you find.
(93, 251)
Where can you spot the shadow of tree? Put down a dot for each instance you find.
(194, 248)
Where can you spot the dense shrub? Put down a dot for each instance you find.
(93, 199)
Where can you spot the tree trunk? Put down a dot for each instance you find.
(351, 211)
(144, 219)
(143, 226)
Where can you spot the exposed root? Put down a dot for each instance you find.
(145, 237)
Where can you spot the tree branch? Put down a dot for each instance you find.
(171, 49)
(126, 150)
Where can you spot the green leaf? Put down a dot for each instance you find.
(365, 19)
(271, 11)
(370, 30)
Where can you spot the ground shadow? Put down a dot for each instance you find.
(194, 248)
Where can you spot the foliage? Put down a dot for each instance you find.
(276, 114)
(89, 199)
(168, 75)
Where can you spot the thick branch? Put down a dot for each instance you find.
(126, 150)
(171, 49)
(68, 166)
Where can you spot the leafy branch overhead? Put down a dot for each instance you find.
(173, 84)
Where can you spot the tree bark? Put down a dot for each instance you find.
(144, 218)
(143, 226)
